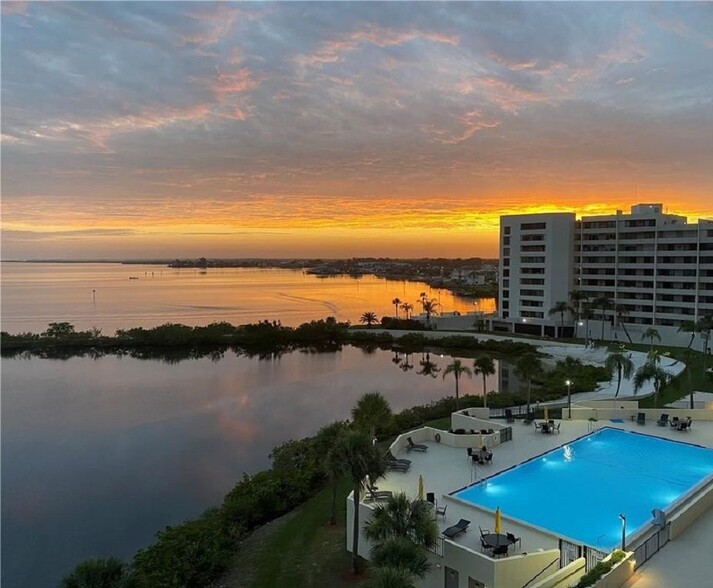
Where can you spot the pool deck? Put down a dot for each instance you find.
(446, 469)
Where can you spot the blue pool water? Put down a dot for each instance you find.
(578, 490)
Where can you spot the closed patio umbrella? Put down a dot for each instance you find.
(546, 415)
(420, 487)
(498, 523)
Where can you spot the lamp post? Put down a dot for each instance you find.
(569, 398)
(623, 531)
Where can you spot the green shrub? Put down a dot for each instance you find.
(601, 569)
(99, 573)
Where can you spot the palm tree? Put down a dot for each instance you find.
(407, 308)
(604, 304)
(401, 553)
(428, 367)
(587, 314)
(688, 356)
(576, 298)
(528, 367)
(401, 517)
(651, 370)
(622, 311)
(396, 302)
(704, 326)
(389, 577)
(370, 411)
(651, 334)
(560, 308)
(360, 459)
(326, 441)
(484, 366)
(369, 318)
(623, 366)
(429, 307)
(689, 327)
(457, 369)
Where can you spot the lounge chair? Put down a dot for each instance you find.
(376, 495)
(441, 511)
(415, 446)
(641, 418)
(457, 529)
(406, 462)
(509, 416)
(663, 420)
(397, 467)
(513, 540)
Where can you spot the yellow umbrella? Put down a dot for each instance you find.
(546, 413)
(420, 487)
(497, 520)
(480, 440)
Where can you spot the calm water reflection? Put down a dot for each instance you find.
(97, 455)
(103, 295)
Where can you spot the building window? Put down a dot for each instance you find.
(506, 230)
(532, 226)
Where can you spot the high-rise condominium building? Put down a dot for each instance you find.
(647, 268)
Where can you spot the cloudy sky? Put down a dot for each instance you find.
(139, 129)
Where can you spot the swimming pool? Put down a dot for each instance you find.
(578, 490)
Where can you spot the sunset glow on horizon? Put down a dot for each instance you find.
(160, 130)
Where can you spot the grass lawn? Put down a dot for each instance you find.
(306, 552)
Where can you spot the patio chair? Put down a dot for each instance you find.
(500, 551)
(431, 497)
(555, 428)
(457, 529)
(641, 418)
(483, 533)
(683, 426)
(509, 416)
(663, 420)
(486, 456)
(441, 511)
(529, 418)
(415, 446)
(673, 422)
(469, 450)
(513, 540)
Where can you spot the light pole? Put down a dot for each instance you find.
(569, 398)
(623, 532)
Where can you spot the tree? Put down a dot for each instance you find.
(327, 440)
(560, 308)
(370, 411)
(576, 298)
(407, 308)
(587, 314)
(528, 367)
(360, 458)
(429, 307)
(110, 572)
(622, 311)
(428, 367)
(484, 366)
(651, 370)
(57, 331)
(704, 326)
(401, 553)
(369, 318)
(390, 577)
(396, 302)
(457, 369)
(651, 334)
(622, 365)
(689, 327)
(604, 304)
(688, 356)
(401, 517)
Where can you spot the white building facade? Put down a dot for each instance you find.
(655, 268)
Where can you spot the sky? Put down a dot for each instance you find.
(339, 129)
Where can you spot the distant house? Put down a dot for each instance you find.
(468, 277)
